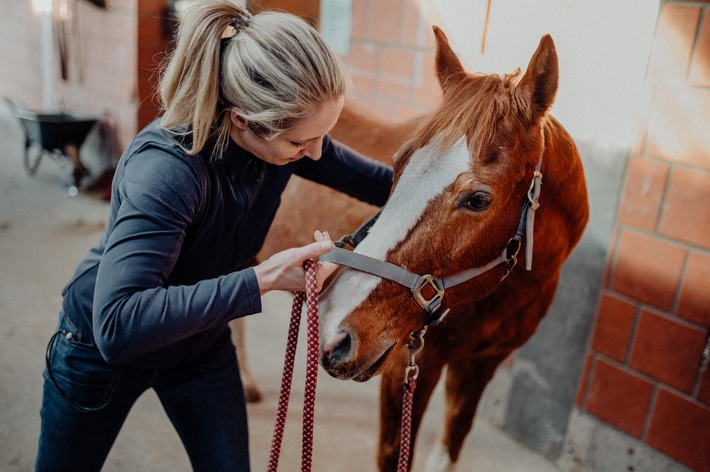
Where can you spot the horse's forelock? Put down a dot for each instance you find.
(475, 106)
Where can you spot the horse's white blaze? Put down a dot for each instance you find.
(428, 172)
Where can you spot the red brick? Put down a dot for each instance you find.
(643, 194)
(668, 350)
(619, 397)
(681, 429)
(363, 58)
(686, 212)
(677, 125)
(360, 15)
(694, 303)
(673, 42)
(647, 269)
(411, 24)
(385, 20)
(397, 63)
(363, 86)
(700, 64)
(614, 323)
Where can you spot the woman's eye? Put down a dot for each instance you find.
(297, 144)
(477, 201)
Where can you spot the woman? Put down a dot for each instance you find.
(192, 199)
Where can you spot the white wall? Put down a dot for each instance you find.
(603, 48)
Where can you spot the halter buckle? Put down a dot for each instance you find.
(432, 304)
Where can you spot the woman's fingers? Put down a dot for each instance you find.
(314, 250)
(284, 270)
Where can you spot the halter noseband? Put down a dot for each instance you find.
(416, 283)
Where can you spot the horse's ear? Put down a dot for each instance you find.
(539, 84)
(447, 63)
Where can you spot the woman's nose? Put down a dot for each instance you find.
(314, 149)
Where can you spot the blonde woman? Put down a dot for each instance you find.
(192, 199)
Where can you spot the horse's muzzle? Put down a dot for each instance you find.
(338, 359)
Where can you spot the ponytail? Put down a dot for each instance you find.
(189, 87)
(274, 67)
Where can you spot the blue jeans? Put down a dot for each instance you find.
(87, 400)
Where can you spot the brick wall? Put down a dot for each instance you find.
(391, 59)
(20, 28)
(644, 373)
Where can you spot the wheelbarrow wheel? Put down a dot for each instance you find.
(33, 156)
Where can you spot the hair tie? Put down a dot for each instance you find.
(241, 20)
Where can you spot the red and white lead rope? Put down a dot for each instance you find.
(403, 461)
(311, 297)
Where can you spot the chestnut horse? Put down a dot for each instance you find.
(465, 189)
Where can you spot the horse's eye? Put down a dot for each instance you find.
(477, 201)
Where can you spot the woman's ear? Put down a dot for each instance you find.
(237, 117)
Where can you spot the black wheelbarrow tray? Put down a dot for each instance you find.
(59, 135)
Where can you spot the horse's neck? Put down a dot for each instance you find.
(561, 161)
(564, 188)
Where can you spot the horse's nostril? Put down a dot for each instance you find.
(338, 348)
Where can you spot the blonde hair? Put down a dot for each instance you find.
(276, 70)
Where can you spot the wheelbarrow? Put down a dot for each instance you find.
(59, 136)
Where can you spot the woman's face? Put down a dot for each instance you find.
(305, 139)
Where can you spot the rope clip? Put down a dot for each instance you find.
(415, 346)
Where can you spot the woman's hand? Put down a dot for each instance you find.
(284, 270)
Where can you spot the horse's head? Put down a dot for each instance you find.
(456, 203)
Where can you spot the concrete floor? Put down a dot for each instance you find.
(43, 234)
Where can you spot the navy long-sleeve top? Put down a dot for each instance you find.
(168, 273)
